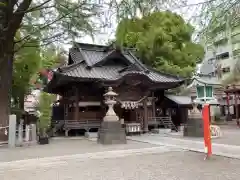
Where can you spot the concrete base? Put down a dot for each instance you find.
(161, 131)
(111, 132)
(91, 134)
(228, 117)
(193, 127)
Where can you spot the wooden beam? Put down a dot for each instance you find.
(145, 120)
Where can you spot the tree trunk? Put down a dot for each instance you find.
(10, 21)
(6, 62)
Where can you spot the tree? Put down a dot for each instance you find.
(209, 14)
(45, 21)
(44, 107)
(163, 41)
(139, 8)
(26, 64)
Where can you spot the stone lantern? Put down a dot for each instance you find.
(110, 97)
(111, 130)
(194, 124)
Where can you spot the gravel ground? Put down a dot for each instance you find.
(60, 147)
(167, 166)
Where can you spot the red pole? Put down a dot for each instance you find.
(207, 133)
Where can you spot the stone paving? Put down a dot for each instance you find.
(79, 159)
(232, 151)
(166, 165)
(62, 147)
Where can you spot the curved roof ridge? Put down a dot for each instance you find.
(165, 74)
(69, 67)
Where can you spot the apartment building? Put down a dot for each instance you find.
(223, 50)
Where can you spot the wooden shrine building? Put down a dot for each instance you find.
(91, 69)
(234, 90)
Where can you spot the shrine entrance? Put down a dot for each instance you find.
(129, 115)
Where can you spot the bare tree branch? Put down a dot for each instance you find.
(36, 8)
(49, 24)
(16, 19)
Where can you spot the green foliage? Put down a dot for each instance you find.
(217, 16)
(163, 41)
(136, 8)
(60, 21)
(45, 109)
(26, 64)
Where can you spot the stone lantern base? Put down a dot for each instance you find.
(111, 132)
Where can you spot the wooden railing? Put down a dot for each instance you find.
(85, 124)
(158, 120)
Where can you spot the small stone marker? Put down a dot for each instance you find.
(12, 131)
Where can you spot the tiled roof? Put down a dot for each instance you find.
(86, 57)
(181, 100)
(112, 73)
(209, 80)
(81, 70)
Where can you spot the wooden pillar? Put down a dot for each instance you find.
(145, 116)
(153, 105)
(76, 111)
(66, 106)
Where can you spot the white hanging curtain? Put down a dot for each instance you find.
(129, 104)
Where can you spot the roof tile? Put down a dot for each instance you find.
(84, 57)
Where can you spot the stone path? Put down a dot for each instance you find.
(78, 159)
(63, 147)
(62, 160)
(231, 151)
(149, 164)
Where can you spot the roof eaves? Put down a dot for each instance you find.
(166, 74)
(207, 83)
(69, 67)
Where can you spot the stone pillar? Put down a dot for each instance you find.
(27, 133)
(33, 133)
(12, 131)
(145, 120)
(111, 130)
(20, 133)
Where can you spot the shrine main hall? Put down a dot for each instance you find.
(92, 69)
